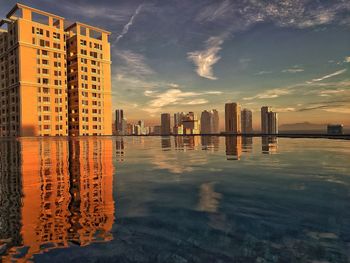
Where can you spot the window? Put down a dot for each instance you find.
(56, 45)
(56, 35)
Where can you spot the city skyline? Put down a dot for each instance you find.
(281, 54)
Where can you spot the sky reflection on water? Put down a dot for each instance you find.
(175, 199)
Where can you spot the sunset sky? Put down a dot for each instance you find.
(181, 55)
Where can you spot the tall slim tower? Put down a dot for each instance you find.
(119, 117)
(89, 80)
(233, 118)
(269, 121)
(206, 122)
(265, 119)
(247, 121)
(165, 124)
(215, 128)
(33, 91)
(273, 123)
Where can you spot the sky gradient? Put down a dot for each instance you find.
(180, 55)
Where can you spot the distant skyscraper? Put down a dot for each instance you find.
(206, 122)
(157, 130)
(209, 122)
(191, 124)
(143, 129)
(247, 121)
(215, 128)
(178, 117)
(232, 118)
(119, 116)
(269, 121)
(335, 129)
(264, 119)
(137, 130)
(165, 124)
(273, 122)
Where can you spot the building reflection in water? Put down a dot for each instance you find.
(166, 143)
(233, 147)
(63, 194)
(11, 193)
(179, 143)
(269, 144)
(119, 148)
(208, 199)
(247, 144)
(184, 143)
(210, 143)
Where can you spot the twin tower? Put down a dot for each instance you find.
(55, 79)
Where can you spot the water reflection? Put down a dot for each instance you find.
(166, 143)
(11, 193)
(185, 204)
(184, 143)
(247, 144)
(210, 143)
(119, 148)
(269, 144)
(233, 147)
(54, 192)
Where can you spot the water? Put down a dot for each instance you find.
(186, 199)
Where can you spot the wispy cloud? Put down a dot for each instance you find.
(328, 76)
(214, 11)
(287, 13)
(286, 109)
(94, 11)
(205, 59)
(129, 24)
(132, 63)
(175, 97)
(329, 92)
(337, 105)
(292, 70)
(344, 110)
(263, 72)
(271, 94)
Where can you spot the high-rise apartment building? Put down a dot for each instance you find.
(178, 117)
(215, 128)
(120, 122)
(209, 122)
(178, 126)
(206, 122)
(264, 119)
(89, 80)
(165, 124)
(233, 118)
(273, 122)
(247, 121)
(37, 77)
(33, 90)
(191, 124)
(269, 121)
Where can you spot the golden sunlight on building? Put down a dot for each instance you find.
(44, 93)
